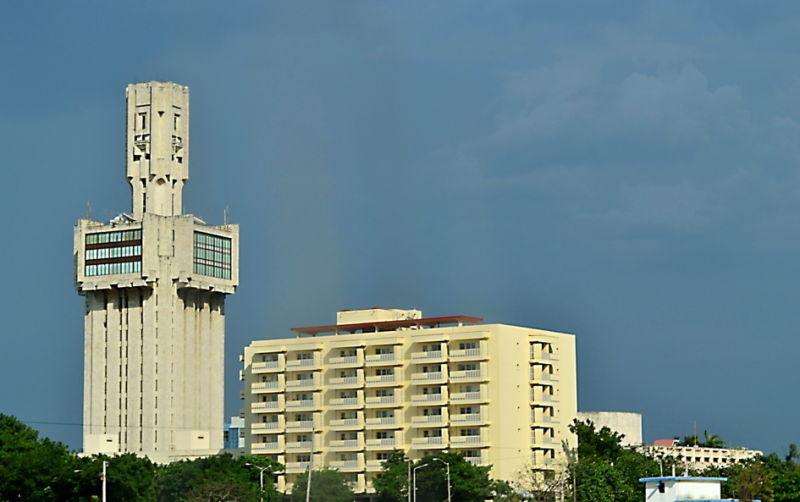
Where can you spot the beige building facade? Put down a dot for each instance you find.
(345, 395)
(155, 283)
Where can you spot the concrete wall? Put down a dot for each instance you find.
(629, 424)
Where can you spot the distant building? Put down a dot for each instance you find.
(233, 434)
(676, 489)
(628, 424)
(384, 379)
(699, 457)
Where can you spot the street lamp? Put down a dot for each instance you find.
(448, 476)
(260, 477)
(415, 480)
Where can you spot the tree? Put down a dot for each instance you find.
(713, 441)
(604, 444)
(327, 485)
(469, 483)
(391, 485)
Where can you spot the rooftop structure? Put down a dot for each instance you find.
(684, 489)
(700, 457)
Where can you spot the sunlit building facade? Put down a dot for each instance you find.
(345, 395)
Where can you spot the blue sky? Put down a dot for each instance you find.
(626, 171)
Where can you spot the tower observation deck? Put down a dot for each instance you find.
(155, 283)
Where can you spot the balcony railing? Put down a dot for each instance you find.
(374, 359)
(429, 398)
(294, 467)
(301, 446)
(467, 441)
(347, 465)
(431, 377)
(346, 382)
(277, 425)
(381, 443)
(347, 424)
(465, 354)
(269, 366)
(347, 361)
(314, 362)
(372, 422)
(305, 383)
(468, 418)
(430, 356)
(267, 406)
(374, 465)
(346, 402)
(271, 447)
(373, 401)
(346, 445)
(463, 397)
(303, 404)
(433, 420)
(429, 442)
(261, 387)
(303, 425)
(468, 375)
(385, 379)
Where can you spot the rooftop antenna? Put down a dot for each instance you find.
(88, 211)
(226, 215)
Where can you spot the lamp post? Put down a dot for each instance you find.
(260, 477)
(415, 480)
(105, 463)
(448, 476)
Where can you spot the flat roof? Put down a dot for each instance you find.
(679, 478)
(378, 326)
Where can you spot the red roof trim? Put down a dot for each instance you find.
(387, 325)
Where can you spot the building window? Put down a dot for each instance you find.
(118, 252)
(468, 345)
(212, 255)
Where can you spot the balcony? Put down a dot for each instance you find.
(433, 442)
(482, 460)
(478, 375)
(261, 427)
(542, 442)
(469, 397)
(303, 425)
(303, 446)
(475, 354)
(430, 421)
(470, 441)
(381, 401)
(347, 445)
(433, 356)
(537, 375)
(383, 380)
(268, 366)
(434, 399)
(544, 398)
(314, 363)
(347, 361)
(354, 465)
(374, 465)
(268, 406)
(345, 403)
(383, 359)
(346, 424)
(383, 444)
(304, 404)
(308, 383)
(267, 387)
(438, 377)
(272, 447)
(297, 467)
(382, 423)
(469, 418)
(348, 382)
(541, 460)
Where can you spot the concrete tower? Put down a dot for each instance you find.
(155, 284)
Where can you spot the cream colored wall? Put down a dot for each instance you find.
(508, 368)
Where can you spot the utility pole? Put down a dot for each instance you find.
(104, 480)
(409, 481)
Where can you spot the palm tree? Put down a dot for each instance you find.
(713, 441)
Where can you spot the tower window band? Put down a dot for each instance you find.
(212, 255)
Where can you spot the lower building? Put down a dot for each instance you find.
(699, 457)
(625, 423)
(233, 434)
(346, 395)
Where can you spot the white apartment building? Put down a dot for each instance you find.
(345, 395)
